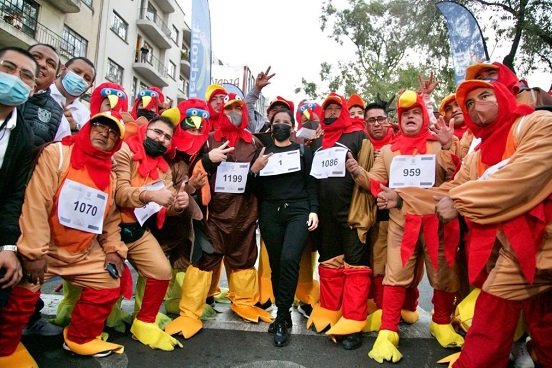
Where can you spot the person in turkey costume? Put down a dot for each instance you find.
(147, 103)
(413, 237)
(145, 188)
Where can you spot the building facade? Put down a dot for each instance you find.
(136, 43)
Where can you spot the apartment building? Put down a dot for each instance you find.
(136, 43)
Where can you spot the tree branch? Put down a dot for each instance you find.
(503, 6)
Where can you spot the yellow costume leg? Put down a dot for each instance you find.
(244, 294)
(308, 289)
(194, 291)
(20, 358)
(386, 347)
(265, 282)
(71, 294)
(174, 292)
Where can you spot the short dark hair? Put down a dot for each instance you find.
(375, 105)
(86, 60)
(287, 111)
(51, 48)
(164, 119)
(21, 51)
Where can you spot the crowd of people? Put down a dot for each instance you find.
(463, 191)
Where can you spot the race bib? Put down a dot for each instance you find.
(81, 207)
(329, 163)
(151, 208)
(231, 177)
(491, 170)
(412, 171)
(282, 163)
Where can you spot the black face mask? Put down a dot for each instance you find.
(329, 121)
(281, 132)
(154, 148)
(148, 114)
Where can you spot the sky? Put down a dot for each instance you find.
(285, 35)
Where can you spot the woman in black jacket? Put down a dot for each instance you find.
(288, 211)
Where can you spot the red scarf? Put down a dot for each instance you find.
(334, 131)
(358, 123)
(225, 129)
(408, 145)
(507, 77)
(184, 141)
(378, 143)
(494, 136)
(147, 165)
(459, 132)
(85, 155)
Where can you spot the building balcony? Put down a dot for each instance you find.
(166, 6)
(182, 93)
(185, 62)
(151, 69)
(22, 31)
(66, 6)
(152, 26)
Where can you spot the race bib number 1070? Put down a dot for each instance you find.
(81, 207)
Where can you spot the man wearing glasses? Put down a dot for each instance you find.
(70, 228)
(17, 75)
(378, 126)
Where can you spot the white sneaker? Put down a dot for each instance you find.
(101, 354)
(520, 355)
(43, 328)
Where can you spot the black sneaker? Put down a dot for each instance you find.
(352, 341)
(281, 335)
(210, 301)
(304, 309)
(265, 305)
(289, 324)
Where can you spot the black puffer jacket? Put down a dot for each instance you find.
(43, 114)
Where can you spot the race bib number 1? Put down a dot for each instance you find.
(81, 207)
(412, 171)
(282, 163)
(329, 163)
(231, 177)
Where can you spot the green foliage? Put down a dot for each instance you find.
(394, 40)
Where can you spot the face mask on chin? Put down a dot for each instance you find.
(235, 118)
(329, 121)
(13, 91)
(154, 148)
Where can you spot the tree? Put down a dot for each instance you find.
(394, 39)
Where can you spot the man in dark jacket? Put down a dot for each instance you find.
(41, 111)
(17, 74)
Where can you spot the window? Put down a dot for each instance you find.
(172, 70)
(73, 43)
(143, 87)
(119, 26)
(151, 13)
(21, 14)
(174, 34)
(134, 87)
(114, 72)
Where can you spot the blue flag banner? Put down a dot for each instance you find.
(200, 51)
(467, 45)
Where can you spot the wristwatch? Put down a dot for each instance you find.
(11, 248)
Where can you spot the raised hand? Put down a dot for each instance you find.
(260, 162)
(352, 165)
(443, 132)
(182, 199)
(220, 153)
(427, 85)
(263, 79)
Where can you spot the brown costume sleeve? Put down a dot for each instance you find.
(110, 239)
(126, 195)
(35, 229)
(520, 185)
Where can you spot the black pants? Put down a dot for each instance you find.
(4, 295)
(284, 230)
(338, 238)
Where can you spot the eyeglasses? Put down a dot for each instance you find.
(26, 75)
(160, 133)
(379, 119)
(102, 128)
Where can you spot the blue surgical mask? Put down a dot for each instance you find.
(13, 91)
(74, 84)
